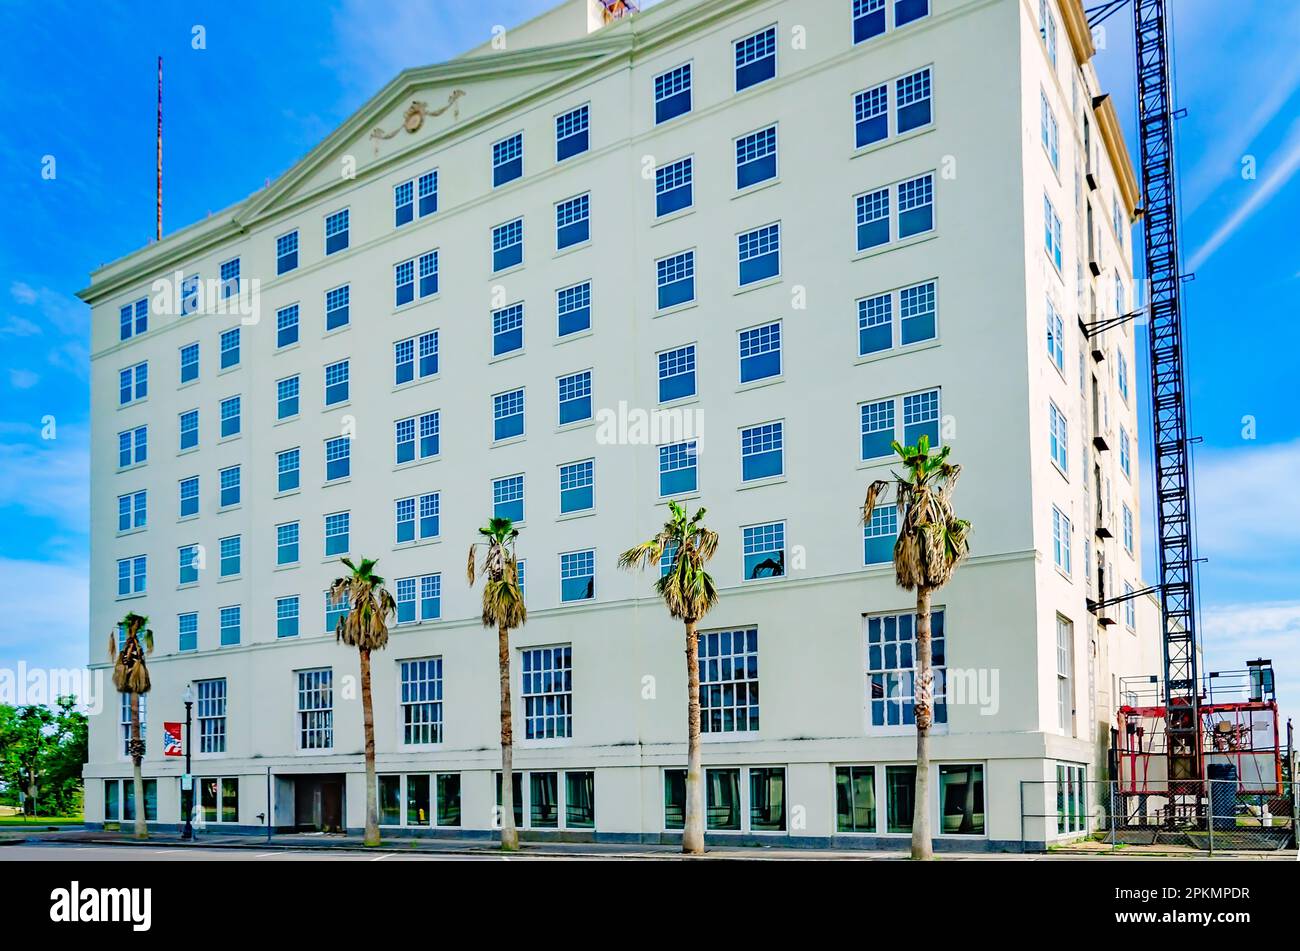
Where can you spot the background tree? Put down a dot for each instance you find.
(931, 543)
(688, 592)
(42, 750)
(365, 627)
(503, 608)
(131, 677)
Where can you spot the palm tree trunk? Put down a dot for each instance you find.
(137, 766)
(509, 835)
(693, 824)
(368, 719)
(922, 840)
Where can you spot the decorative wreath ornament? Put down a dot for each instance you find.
(415, 114)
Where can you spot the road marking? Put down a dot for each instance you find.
(379, 858)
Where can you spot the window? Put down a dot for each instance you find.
(855, 799)
(1047, 30)
(336, 533)
(419, 599)
(1055, 336)
(577, 487)
(337, 307)
(229, 272)
(878, 331)
(421, 701)
(871, 115)
(675, 279)
(229, 482)
(508, 415)
(286, 616)
(428, 274)
(575, 397)
(286, 326)
(672, 93)
(286, 543)
(920, 416)
(1060, 437)
(673, 187)
(133, 447)
(756, 157)
(408, 527)
(403, 203)
(132, 511)
(405, 366)
(210, 711)
(759, 254)
(336, 383)
(678, 468)
(1121, 375)
(1064, 675)
(873, 219)
(912, 100)
(230, 548)
(229, 348)
(335, 611)
(755, 58)
(1125, 456)
(187, 629)
(578, 575)
(764, 547)
(134, 318)
(229, 620)
(123, 792)
(133, 384)
(1130, 608)
(1050, 132)
(189, 363)
(428, 193)
(189, 295)
(188, 428)
(404, 282)
(336, 232)
(961, 799)
(762, 452)
(1061, 540)
(891, 662)
(676, 373)
(188, 565)
(507, 160)
(189, 497)
(879, 535)
(728, 681)
(573, 309)
(508, 498)
(508, 245)
(286, 467)
(316, 709)
(1052, 232)
(761, 810)
(522, 577)
(868, 19)
(916, 206)
(1071, 799)
(760, 353)
(1128, 527)
(572, 133)
(230, 417)
(338, 458)
(572, 221)
(286, 252)
(126, 721)
(548, 692)
(507, 330)
(286, 397)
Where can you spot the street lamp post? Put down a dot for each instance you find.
(188, 832)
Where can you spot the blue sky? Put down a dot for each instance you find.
(280, 76)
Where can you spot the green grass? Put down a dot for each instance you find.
(18, 821)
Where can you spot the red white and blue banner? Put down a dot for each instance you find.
(172, 745)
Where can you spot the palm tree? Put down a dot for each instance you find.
(931, 544)
(131, 676)
(688, 592)
(503, 608)
(365, 627)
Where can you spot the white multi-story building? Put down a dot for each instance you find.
(803, 227)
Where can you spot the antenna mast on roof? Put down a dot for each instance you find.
(159, 234)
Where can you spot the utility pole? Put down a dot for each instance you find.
(158, 236)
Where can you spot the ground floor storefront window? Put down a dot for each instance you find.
(736, 799)
(419, 799)
(119, 800)
(1071, 802)
(555, 800)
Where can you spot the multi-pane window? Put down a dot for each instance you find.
(674, 186)
(508, 498)
(679, 468)
(873, 219)
(189, 295)
(338, 302)
(507, 159)
(187, 630)
(230, 417)
(758, 254)
(1060, 437)
(728, 681)
(337, 528)
(210, 711)
(403, 203)
(1064, 675)
(572, 133)
(286, 543)
(1071, 799)
(574, 397)
(228, 481)
(133, 447)
(672, 91)
(286, 252)
(1125, 454)
(228, 619)
(286, 470)
(868, 19)
(756, 157)
(547, 682)
(125, 720)
(731, 803)
(1121, 375)
(507, 330)
(335, 611)
(1052, 232)
(912, 100)
(188, 429)
(132, 575)
(1061, 540)
(336, 382)
(912, 108)
(871, 115)
(891, 664)
(918, 413)
(760, 353)
(418, 599)
(676, 373)
(134, 318)
(421, 701)
(415, 356)
(286, 326)
(508, 415)
(428, 274)
(403, 282)
(287, 611)
(577, 487)
(286, 397)
(755, 58)
(675, 279)
(878, 330)
(336, 232)
(418, 517)
(578, 575)
(915, 206)
(229, 348)
(133, 384)
(879, 533)
(132, 511)
(316, 709)
(189, 497)
(230, 549)
(189, 362)
(1130, 607)
(1050, 131)
(1047, 29)
(1127, 527)
(427, 192)
(572, 221)
(1055, 336)
(855, 799)
(762, 451)
(764, 550)
(906, 11)
(338, 458)
(508, 245)
(573, 309)
(229, 273)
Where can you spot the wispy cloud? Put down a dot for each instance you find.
(51, 628)
(1244, 507)
(47, 479)
(1235, 633)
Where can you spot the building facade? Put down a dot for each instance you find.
(722, 252)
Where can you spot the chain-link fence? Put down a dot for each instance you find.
(1209, 817)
